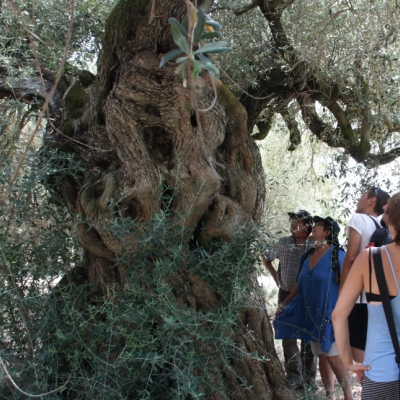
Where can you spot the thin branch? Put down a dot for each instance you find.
(193, 97)
(25, 393)
(152, 14)
(235, 83)
(215, 96)
(240, 11)
(28, 31)
(237, 11)
(382, 159)
(74, 140)
(319, 128)
(221, 8)
(365, 131)
(5, 271)
(46, 104)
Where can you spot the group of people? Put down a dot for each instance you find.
(330, 299)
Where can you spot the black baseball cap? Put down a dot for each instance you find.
(301, 215)
(332, 225)
(329, 223)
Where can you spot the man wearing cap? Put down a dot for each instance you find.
(289, 251)
(358, 232)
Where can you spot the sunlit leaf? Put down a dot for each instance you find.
(217, 26)
(175, 23)
(211, 35)
(199, 28)
(208, 66)
(215, 47)
(181, 59)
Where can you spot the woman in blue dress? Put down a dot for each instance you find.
(309, 315)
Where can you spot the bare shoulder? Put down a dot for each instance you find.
(362, 260)
(364, 255)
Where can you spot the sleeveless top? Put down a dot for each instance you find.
(309, 316)
(379, 352)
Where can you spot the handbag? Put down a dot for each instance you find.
(383, 289)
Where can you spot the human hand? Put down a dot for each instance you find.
(359, 369)
(279, 310)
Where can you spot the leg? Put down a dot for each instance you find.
(326, 375)
(291, 353)
(309, 364)
(292, 362)
(342, 375)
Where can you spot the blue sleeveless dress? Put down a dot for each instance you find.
(309, 316)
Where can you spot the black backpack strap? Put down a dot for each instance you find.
(376, 224)
(383, 289)
(335, 263)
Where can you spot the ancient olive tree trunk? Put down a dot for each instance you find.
(141, 138)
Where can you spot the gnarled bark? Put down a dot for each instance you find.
(137, 136)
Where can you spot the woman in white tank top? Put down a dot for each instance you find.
(379, 373)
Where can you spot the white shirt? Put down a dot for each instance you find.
(365, 226)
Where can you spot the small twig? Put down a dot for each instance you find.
(151, 19)
(69, 88)
(76, 141)
(215, 96)
(45, 105)
(200, 133)
(245, 9)
(5, 271)
(152, 13)
(221, 8)
(236, 84)
(33, 13)
(25, 393)
(23, 24)
(236, 11)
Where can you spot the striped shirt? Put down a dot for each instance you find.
(289, 258)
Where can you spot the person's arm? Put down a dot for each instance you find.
(347, 298)
(268, 265)
(291, 296)
(353, 248)
(287, 301)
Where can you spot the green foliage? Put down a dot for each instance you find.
(146, 341)
(45, 23)
(297, 180)
(203, 28)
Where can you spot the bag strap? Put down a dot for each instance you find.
(383, 290)
(335, 263)
(377, 226)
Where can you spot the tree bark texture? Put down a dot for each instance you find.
(136, 135)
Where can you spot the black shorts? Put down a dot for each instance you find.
(358, 325)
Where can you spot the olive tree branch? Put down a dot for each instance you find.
(45, 105)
